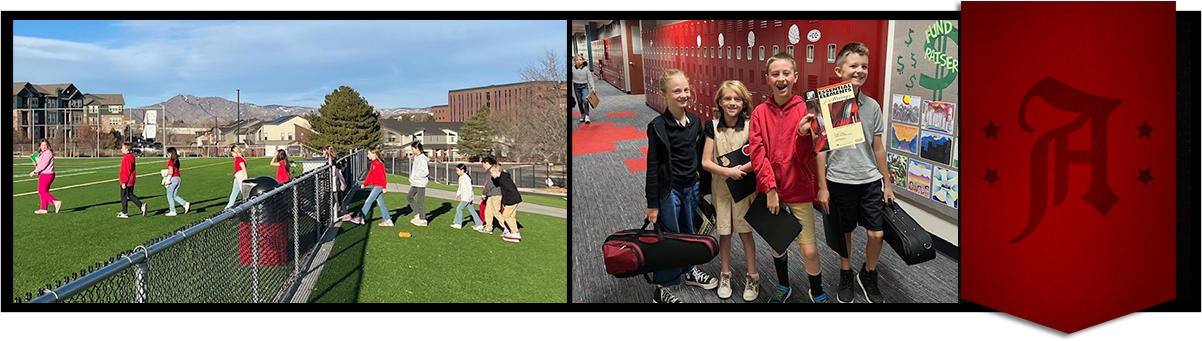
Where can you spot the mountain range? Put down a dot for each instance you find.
(194, 110)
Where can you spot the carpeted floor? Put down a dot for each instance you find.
(607, 196)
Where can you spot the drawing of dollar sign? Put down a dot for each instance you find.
(913, 62)
(901, 66)
(910, 38)
(911, 85)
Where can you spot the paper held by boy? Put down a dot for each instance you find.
(836, 132)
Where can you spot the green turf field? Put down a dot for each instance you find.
(370, 263)
(46, 247)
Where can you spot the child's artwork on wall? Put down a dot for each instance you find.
(897, 169)
(904, 138)
(906, 109)
(936, 147)
(938, 116)
(956, 155)
(919, 180)
(945, 187)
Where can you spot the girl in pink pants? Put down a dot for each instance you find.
(45, 173)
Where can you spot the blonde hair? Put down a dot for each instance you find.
(740, 90)
(780, 56)
(668, 75)
(852, 47)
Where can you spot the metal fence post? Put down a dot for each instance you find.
(140, 272)
(254, 242)
(295, 232)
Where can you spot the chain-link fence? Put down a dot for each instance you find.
(252, 253)
(524, 175)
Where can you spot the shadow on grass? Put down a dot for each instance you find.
(116, 202)
(342, 272)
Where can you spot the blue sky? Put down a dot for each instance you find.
(391, 63)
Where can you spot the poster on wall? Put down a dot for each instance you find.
(897, 169)
(936, 147)
(945, 187)
(919, 177)
(956, 155)
(906, 109)
(904, 138)
(938, 116)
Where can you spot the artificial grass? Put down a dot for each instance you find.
(543, 200)
(86, 230)
(370, 263)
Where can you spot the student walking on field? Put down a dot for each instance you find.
(44, 170)
(509, 200)
(173, 166)
(464, 196)
(127, 178)
(491, 201)
(239, 175)
(378, 183)
(418, 178)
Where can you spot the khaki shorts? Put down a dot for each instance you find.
(804, 212)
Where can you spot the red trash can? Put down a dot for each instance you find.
(272, 227)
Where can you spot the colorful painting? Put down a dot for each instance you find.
(956, 155)
(919, 180)
(945, 187)
(897, 169)
(906, 109)
(938, 116)
(936, 147)
(904, 138)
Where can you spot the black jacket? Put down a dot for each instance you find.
(509, 190)
(659, 174)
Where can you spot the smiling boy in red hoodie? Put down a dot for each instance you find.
(782, 154)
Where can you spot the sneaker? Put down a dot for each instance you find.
(845, 279)
(700, 279)
(662, 295)
(40, 212)
(170, 214)
(582, 118)
(512, 237)
(867, 280)
(724, 285)
(587, 120)
(143, 210)
(359, 221)
(187, 205)
(456, 226)
(752, 290)
(420, 223)
(782, 294)
(487, 230)
(385, 223)
(57, 205)
(122, 215)
(414, 220)
(824, 298)
(347, 217)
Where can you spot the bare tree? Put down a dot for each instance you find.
(537, 126)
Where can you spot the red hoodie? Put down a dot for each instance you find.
(782, 158)
(128, 170)
(375, 175)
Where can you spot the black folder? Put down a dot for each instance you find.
(778, 229)
(739, 189)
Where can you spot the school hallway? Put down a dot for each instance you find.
(608, 166)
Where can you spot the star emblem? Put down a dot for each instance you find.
(1145, 130)
(1145, 175)
(991, 130)
(991, 176)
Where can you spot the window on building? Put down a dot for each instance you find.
(114, 109)
(114, 121)
(282, 135)
(33, 102)
(289, 136)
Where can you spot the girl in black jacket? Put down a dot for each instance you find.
(509, 200)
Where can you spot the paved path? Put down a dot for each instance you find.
(449, 195)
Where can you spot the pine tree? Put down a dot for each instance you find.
(476, 135)
(346, 121)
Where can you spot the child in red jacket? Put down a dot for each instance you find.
(127, 177)
(378, 184)
(782, 153)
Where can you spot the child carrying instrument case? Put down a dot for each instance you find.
(641, 251)
(912, 243)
